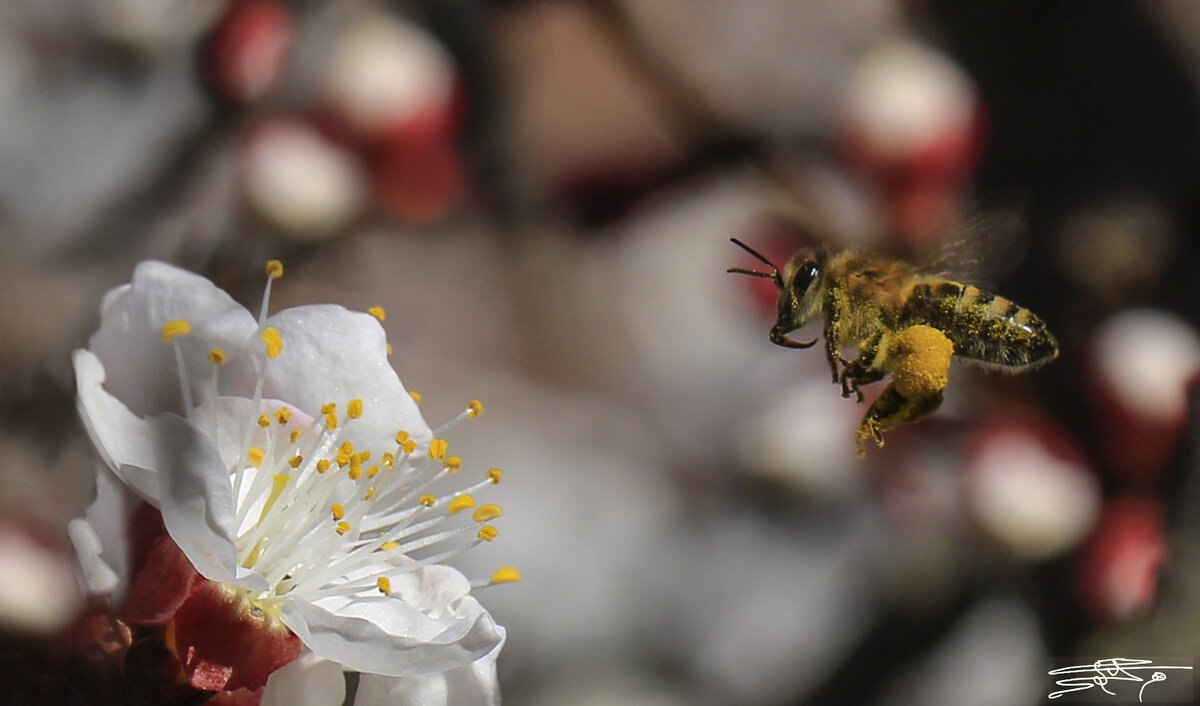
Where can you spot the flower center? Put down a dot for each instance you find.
(317, 511)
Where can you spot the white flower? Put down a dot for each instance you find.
(291, 466)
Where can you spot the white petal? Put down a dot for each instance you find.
(384, 635)
(98, 577)
(197, 501)
(122, 438)
(331, 354)
(473, 684)
(141, 368)
(308, 680)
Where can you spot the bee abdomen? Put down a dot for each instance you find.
(983, 326)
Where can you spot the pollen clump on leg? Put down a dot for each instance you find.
(924, 363)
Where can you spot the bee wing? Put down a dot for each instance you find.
(982, 245)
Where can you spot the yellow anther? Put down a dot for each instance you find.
(274, 269)
(295, 435)
(354, 408)
(295, 461)
(377, 312)
(338, 511)
(388, 460)
(408, 446)
(487, 533)
(415, 395)
(437, 449)
(178, 327)
(389, 545)
(274, 341)
(494, 475)
(389, 349)
(372, 471)
(255, 457)
(343, 527)
(384, 584)
(427, 500)
(486, 513)
(329, 408)
(356, 471)
(346, 448)
(401, 437)
(331, 421)
(460, 503)
(370, 492)
(323, 465)
(453, 463)
(264, 421)
(506, 574)
(283, 415)
(363, 456)
(216, 356)
(474, 408)
(343, 460)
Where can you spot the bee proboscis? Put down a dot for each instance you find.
(902, 322)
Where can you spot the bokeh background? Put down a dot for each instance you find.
(541, 194)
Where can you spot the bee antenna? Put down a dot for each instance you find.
(773, 275)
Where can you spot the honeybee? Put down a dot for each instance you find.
(903, 322)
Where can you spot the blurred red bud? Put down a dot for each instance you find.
(247, 50)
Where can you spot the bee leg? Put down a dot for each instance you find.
(860, 371)
(890, 411)
(854, 376)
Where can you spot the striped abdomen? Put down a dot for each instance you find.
(983, 326)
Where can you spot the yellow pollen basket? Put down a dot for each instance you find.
(460, 503)
(486, 513)
(378, 312)
(506, 574)
(274, 341)
(274, 269)
(178, 327)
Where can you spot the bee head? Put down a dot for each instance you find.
(798, 299)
